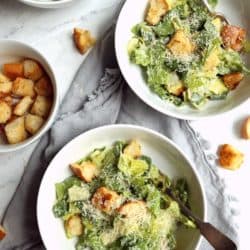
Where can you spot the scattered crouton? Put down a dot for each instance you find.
(41, 106)
(32, 70)
(230, 157)
(33, 123)
(233, 80)
(44, 87)
(157, 9)
(175, 86)
(4, 78)
(5, 85)
(13, 70)
(105, 200)
(133, 149)
(233, 37)
(2, 233)
(133, 210)
(86, 171)
(15, 131)
(83, 40)
(246, 129)
(180, 44)
(23, 87)
(73, 226)
(5, 112)
(23, 106)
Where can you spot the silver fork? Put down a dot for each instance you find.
(215, 14)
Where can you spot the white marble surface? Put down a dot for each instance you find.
(50, 32)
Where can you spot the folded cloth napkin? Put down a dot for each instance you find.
(90, 103)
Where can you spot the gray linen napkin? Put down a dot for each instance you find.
(90, 103)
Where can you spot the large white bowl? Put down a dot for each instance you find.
(165, 154)
(132, 13)
(48, 4)
(10, 51)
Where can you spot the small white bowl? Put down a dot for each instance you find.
(48, 4)
(11, 51)
(164, 153)
(133, 12)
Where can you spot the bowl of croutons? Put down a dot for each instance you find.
(28, 95)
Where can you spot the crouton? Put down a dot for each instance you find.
(5, 112)
(41, 106)
(2, 233)
(23, 87)
(15, 131)
(23, 106)
(233, 37)
(230, 158)
(73, 226)
(86, 171)
(180, 44)
(5, 85)
(233, 80)
(32, 70)
(133, 210)
(212, 61)
(13, 70)
(157, 9)
(106, 200)
(133, 149)
(33, 123)
(246, 129)
(83, 40)
(175, 86)
(44, 87)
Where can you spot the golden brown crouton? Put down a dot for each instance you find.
(105, 200)
(212, 61)
(44, 87)
(133, 149)
(41, 106)
(73, 226)
(133, 210)
(230, 158)
(23, 87)
(233, 80)
(86, 171)
(2, 233)
(233, 37)
(23, 106)
(5, 112)
(32, 70)
(246, 129)
(5, 85)
(180, 44)
(13, 70)
(83, 40)
(15, 131)
(157, 9)
(33, 123)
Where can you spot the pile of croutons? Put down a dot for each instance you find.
(26, 96)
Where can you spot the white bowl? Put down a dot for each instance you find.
(11, 51)
(165, 154)
(133, 12)
(49, 4)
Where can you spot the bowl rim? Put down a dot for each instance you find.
(46, 4)
(124, 126)
(149, 102)
(6, 148)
